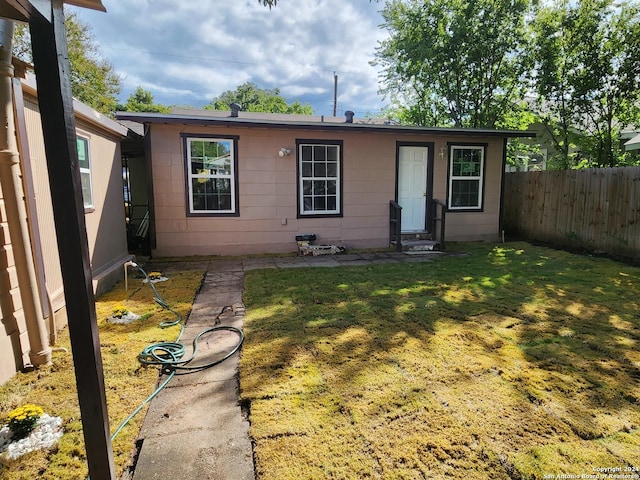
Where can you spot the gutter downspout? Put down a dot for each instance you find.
(12, 188)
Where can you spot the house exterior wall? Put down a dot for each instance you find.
(14, 329)
(268, 221)
(105, 231)
(46, 225)
(105, 222)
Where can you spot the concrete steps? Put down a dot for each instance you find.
(420, 245)
(416, 242)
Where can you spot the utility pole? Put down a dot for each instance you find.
(335, 93)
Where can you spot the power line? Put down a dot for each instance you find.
(211, 59)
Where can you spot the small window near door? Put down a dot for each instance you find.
(85, 171)
(319, 178)
(466, 177)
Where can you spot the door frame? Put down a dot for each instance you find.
(429, 214)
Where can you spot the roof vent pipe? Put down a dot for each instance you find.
(235, 109)
(349, 114)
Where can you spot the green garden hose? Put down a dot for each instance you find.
(168, 355)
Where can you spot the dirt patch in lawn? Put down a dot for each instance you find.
(513, 362)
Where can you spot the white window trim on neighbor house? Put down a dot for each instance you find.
(84, 161)
(319, 172)
(231, 177)
(478, 205)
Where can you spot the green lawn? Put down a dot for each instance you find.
(515, 361)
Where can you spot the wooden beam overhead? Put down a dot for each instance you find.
(51, 63)
(24, 10)
(12, 12)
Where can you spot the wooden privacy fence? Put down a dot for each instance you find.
(596, 209)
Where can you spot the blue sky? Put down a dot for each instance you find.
(187, 52)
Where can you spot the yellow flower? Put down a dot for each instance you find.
(23, 419)
(119, 311)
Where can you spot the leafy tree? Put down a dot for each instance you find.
(454, 62)
(142, 101)
(553, 53)
(93, 79)
(22, 42)
(519, 117)
(254, 99)
(587, 76)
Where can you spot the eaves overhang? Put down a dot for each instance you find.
(91, 4)
(633, 144)
(207, 120)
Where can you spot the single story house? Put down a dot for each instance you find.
(229, 183)
(31, 286)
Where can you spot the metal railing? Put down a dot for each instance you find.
(442, 219)
(395, 225)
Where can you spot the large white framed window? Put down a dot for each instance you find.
(319, 178)
(212, 182)
(466, 176)
(84, 162)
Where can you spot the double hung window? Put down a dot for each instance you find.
(212, 176)
(466, 177)
(319, 178)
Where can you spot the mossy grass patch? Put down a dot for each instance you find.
(515, 361)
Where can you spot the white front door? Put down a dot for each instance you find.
(412, 187)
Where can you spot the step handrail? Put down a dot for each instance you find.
(442, 219)
(395, 224)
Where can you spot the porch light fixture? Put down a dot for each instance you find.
(284, 151)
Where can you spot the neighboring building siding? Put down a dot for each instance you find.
(47, 227)
(267, 188)
(105, 228)
(14, 336)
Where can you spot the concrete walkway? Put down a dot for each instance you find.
(195, 428)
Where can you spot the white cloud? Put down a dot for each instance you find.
(193, 51)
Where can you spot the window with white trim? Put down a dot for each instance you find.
(319, 182)
(466, 177)
(84, 162)
(211, 176)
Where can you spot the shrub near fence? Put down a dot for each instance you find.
(596, 209)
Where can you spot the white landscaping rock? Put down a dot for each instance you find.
(47, 432)
(128, 318)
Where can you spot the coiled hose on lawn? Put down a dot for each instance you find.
(169, 355)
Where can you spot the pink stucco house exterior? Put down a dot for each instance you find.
(229, 183)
